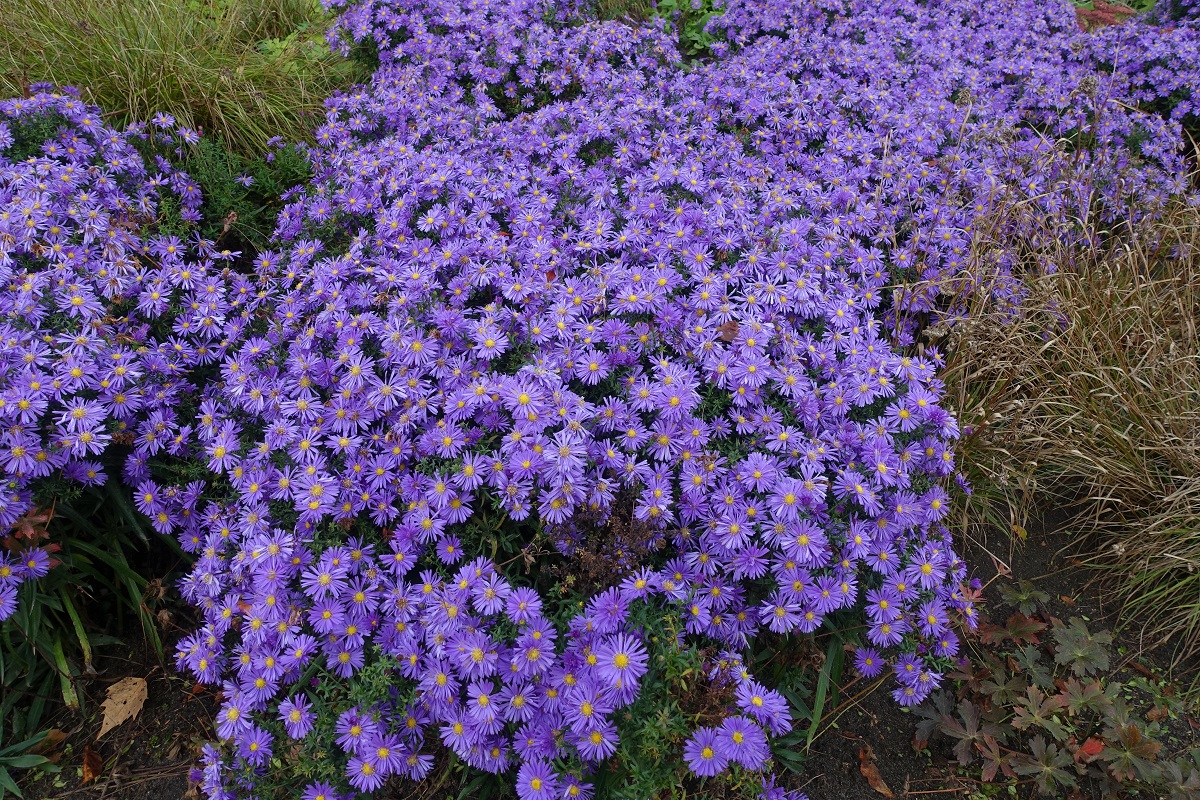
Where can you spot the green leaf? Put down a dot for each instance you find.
(8, 784)
(70, 696)
(1024, 596)
(1080, 697)
(1038, 709)
(1084, 652)
(77, 623)
(1047, 766)
(832, 667)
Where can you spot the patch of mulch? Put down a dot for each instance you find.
(146, 757)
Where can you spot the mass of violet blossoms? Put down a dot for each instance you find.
(545, 268)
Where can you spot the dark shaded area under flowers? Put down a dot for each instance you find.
(545, 272)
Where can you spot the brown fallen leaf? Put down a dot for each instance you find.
(123, 702)
(866, 765)
(1142, 669)
(53, 738)
(93, 765)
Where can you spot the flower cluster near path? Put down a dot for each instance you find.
(547, 272)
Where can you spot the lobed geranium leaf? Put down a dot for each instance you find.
(1080, 697)
(1023, 595)
(1086, 653)
(970, 730)
(1131, 754)
(1047, 766)
(1038, 709)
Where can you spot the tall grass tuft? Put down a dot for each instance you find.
(241, 70)
(1091, 398)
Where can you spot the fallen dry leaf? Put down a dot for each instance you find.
(123, 701)
(93, 765)
(866, 765)
(53, 738)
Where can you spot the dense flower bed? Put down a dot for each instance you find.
(550, 275)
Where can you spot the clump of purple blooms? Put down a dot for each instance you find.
(544, 267)
(105, 318)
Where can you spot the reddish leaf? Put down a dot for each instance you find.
(93, 765)
(1021, 628)
(1089, 751)
(866, 765)
(994, 759)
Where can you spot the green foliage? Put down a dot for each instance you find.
(97, 589)
(1041, 710)
(243, 71)
(1084, 652)
(1024, 596)
(29, 133)
(237, 216)
(690, 19)
(20, 756)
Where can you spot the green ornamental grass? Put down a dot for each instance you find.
(243, 71)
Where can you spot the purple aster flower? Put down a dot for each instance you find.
(703, 753)
(363, 775)
(867, 662)
(743, 742)
(297, 717)
(536, 780)
(622, 660)
(254, 745)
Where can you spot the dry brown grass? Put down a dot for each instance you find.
(1092, 398)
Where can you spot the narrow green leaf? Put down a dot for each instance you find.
(8, 784)
(833, 664)
(70, 697)
(80, 633)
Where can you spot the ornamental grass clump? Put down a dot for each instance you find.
(242, 71)
(1092, 398)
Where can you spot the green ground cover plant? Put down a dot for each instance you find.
(1038, 706)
